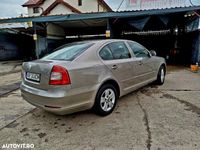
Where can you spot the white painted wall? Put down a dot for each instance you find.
(87, 5)
(60, 9)
(30, 12)
(55, 32)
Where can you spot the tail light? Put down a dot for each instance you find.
(59, 76)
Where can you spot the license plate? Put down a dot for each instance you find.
(33, 76)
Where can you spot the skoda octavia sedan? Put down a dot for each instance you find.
(89, 75)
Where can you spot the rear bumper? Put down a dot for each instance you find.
(60, 102)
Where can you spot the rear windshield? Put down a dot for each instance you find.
(68, 52)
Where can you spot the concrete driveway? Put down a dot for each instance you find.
(153, 118)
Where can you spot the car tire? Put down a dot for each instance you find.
(106, 100)
(161, 75)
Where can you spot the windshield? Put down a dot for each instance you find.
(68, 52)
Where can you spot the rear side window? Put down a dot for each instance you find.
(119, 50)
(106, 53)
(68, 52)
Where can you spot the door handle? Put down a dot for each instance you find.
(114, 67)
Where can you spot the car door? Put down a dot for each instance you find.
(117, 57)
(142, 64)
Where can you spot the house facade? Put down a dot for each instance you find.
(58, 7)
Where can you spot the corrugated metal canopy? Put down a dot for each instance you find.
(102, 15)
(83, 23)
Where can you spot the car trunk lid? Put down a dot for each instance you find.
(37, 73)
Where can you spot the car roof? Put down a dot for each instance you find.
(102, 41)
(106, 40)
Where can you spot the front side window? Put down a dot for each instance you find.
(68, 52)
(139, 50)
(119, 50)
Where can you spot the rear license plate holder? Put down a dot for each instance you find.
(33, 76)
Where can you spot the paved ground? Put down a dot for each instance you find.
(7, 67)
(153, 118)
(10, 76)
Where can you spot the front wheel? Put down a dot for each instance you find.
(106, 100)
(161, 76)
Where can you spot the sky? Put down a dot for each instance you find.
(13, 8)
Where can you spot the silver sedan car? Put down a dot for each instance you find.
(89, 75)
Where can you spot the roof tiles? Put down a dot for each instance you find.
(32, 2)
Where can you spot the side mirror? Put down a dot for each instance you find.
(153, 53)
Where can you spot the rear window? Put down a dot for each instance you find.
(68, 52)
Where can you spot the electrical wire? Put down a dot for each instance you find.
(120, 4)
(194, 5)
(191, 2)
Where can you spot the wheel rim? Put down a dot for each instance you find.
(162, 75)
(107, 100)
